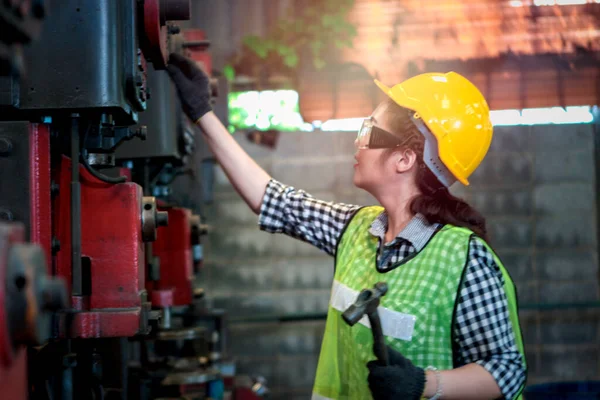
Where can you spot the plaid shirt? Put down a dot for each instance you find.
(482, 329)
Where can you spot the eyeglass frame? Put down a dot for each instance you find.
(379, 138)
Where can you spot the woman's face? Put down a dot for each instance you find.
(374, 167)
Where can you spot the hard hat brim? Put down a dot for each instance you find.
(399, 96)
(384, 88)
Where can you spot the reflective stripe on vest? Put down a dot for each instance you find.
(317, 396)
(393, 323)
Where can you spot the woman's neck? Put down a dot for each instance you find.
(398, 211)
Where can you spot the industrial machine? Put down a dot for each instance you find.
(101, 256)
(185, 354)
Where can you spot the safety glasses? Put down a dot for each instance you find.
(373, 137)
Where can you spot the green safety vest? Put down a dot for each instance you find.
(417, 313)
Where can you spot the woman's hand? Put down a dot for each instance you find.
(399, 380)
(193, 86)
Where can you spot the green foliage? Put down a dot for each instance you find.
(229, 72)
(317, 28)
(264, 110)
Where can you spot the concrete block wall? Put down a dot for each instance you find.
(537, 190)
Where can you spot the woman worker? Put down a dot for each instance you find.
(450, 314)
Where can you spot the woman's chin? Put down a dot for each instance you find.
(357, 181)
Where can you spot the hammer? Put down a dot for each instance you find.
(367, 303)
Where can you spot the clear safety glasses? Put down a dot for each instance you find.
(373, 137)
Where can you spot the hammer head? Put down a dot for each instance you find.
(366, 302)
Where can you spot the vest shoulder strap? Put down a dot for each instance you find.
(360, 217)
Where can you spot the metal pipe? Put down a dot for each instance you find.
(76, 276)
(166, 318)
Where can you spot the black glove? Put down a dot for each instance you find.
(399, 380)
(193, 86)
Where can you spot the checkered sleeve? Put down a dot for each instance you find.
(297, 214)
(483, 333)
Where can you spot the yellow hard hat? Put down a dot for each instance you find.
(457, 115)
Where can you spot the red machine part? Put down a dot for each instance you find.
(196, 47)
(245, 394)
(113, 275)
(246, 388)
(173, 247)
(156, 31)
(40, 190)
(13, 378)
(161, 298)
(126, 172)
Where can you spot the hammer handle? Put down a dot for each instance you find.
(379, 347)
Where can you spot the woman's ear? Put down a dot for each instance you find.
(405, 159)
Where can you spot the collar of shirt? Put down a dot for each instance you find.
(417, 232)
